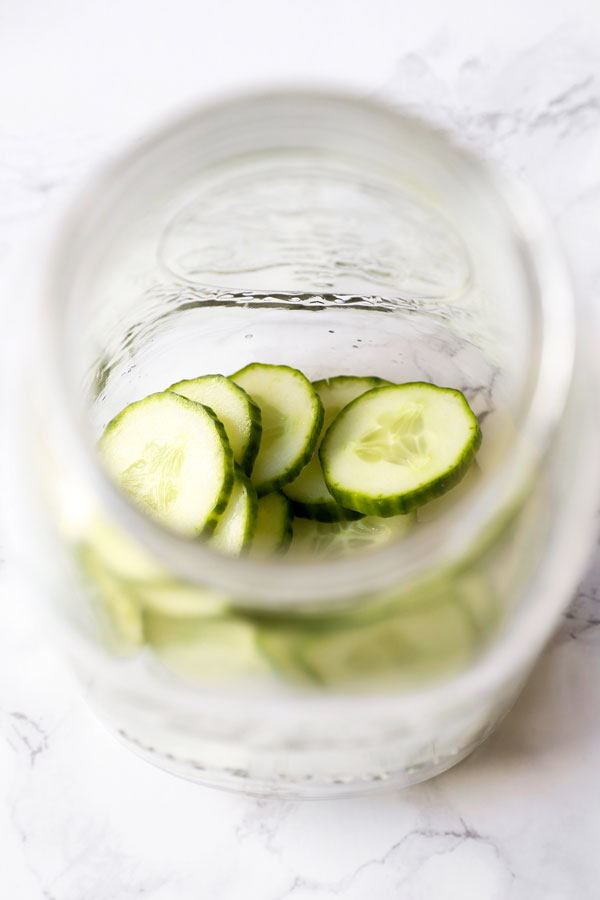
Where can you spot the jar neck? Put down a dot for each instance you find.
(245, 126)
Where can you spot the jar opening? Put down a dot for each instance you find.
(393, 148)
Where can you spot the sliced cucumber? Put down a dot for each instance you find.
(281, 649)
(292, 416)
(172, 457)
(205, 650)
(398, 446)
(140, 581)
(273, 531)
(412, 646)
(422, 645)
(233, 407)
(481, 603)
(120, 611)
(180, 599)
(122, 556)
(234, 531)
(437, 508)
(308, 492)
(335, 539)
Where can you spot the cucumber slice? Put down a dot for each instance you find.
(142, 582)
(181, 599)
(121, 555)
(120, 612)
(235, 528)
(292, 416)
(205, 650)
(273, 531)
(335, 539)
(409, 648)
(308, 492)
(173, 459)
(481, 603)
(398, 446)
(414, 646)
(233, 407)
(281, 649)
(435, 509)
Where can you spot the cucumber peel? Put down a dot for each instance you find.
(233, 407)
(273, 532)
(292, 417)
(235, 529)
(172, 458)
(398, 446)
(308, 492)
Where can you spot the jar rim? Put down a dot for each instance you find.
(287, 583)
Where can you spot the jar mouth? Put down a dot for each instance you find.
(286, 582)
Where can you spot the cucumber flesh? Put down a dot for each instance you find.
(418, 645)
(438, 507)
(273, 531)
(203, 650)
(292, 416)
(179, 599)
(233, 407)
(234, 531)
(481, 603)
(334, 539)
(308, 492)
(171, 456)
(398, 446)
(121, 555)
(120, 613)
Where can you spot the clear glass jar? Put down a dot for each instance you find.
(336, 236)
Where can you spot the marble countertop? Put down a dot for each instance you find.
(80, 817)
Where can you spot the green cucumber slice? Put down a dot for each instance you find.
(414, 646)
(398, 446)
(180, 599)
(273, 531)
(172, 457)
(292, 416)
(233, 407)
(335, 539)
(120, 554)
(205, 650)
(129, 572)
(438, 507)
(120, 612)
(481, 603)
(235, 528)
(308, 492)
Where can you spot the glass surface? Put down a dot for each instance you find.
(338, 237)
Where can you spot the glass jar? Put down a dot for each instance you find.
(336, 236)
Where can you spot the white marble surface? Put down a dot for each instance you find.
(81, 818)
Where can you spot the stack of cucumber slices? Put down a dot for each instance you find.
(264, 461)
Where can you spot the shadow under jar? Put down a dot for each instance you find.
(338, 237)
